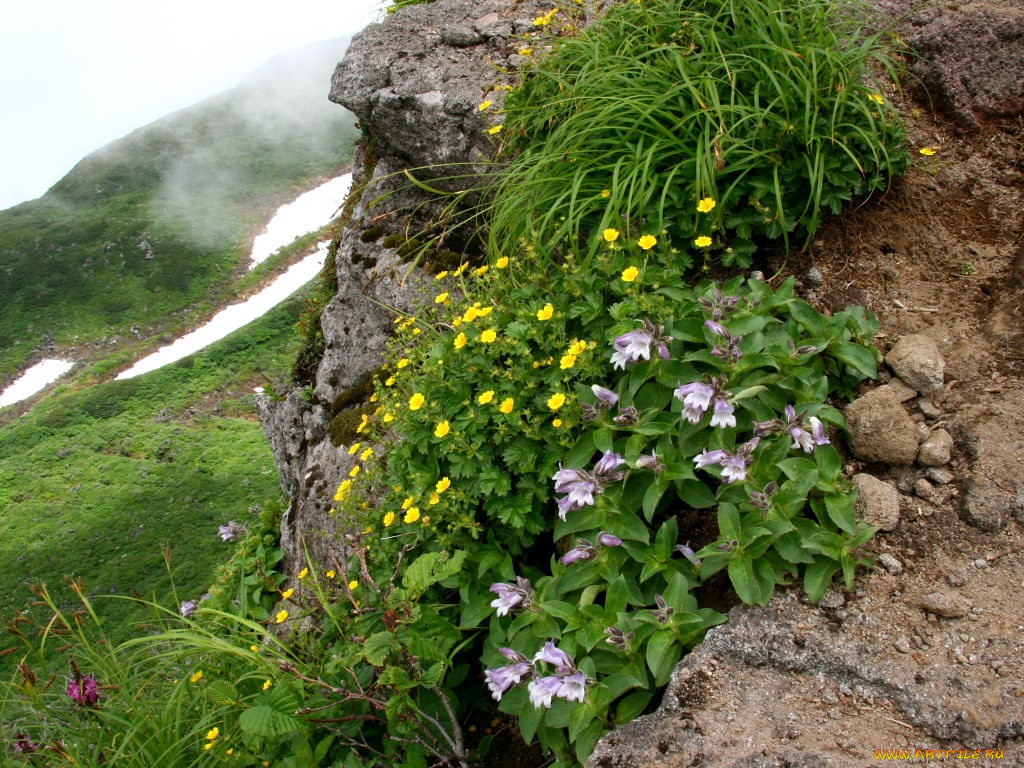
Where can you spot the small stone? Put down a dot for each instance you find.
(924, 489)
(814, 277)
(939, 475)
(829, 697)
(890, 563)
(917, 360)
(881, 430)
(461, 37)
(981, 562)
(846, 690)
(945, 604)
(832, 599)
(878, 502)
(757, 274)
(902, 645)
(985, 506)
(957, 577)
(936, 450)
(928, 408)
(899, 390)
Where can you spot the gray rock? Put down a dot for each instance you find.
(936, 450)
(878, 502)
(945, 604)
(985, 506)
(939, 475)
(928, 408)
(899, 389)
(957, 577)
(814, 277)
(881, 430)
(916, 359)
(977, 81)
(832, 600)
(890, 563)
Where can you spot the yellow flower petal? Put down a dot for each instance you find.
(610, 235)
(495, 129)
(546, 312)
(647, 242)
(354, 449)
(488, 336)
(556, 401)
(702, 242)
(416, 401)
(266, 684)
(303, 573)
(485, 104)
(706, 204)
(330, 574)
(412, 515)
(567, 362)
(443, 484)
(507, 405)
(196, 677)
(460, 341)
(281, 617)
(502, 262)
(353, 584)
(442, 429)
(213, 733)
(928, 151)
(288, 593)
(486, 397)
(606, 193)
(629, 274)
(441, 298)
(389, 518)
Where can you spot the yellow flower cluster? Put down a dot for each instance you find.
(547, 18)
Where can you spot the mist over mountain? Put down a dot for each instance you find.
(157, 220)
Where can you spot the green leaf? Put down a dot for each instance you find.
(378, 646)
(266, 722)
(632, 706)
(662, 652)
(741, 574)
(222, 693)
(818, 577)
(841, 512)
(430, 569)
(859, 359)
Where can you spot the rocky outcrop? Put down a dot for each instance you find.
(415, 82)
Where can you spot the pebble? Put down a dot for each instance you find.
(945, 604)
(832, 599)
(814, 277)
(828, 696)
(890, 563)
(924, 489)
(928, 408)
(957, 577)
(936, 450)
(939, 475)
(902, 645)
(981, 562)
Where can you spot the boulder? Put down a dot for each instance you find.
(916, 359)
(878, 502)
(881, 430)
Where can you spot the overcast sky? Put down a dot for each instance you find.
(77, 74)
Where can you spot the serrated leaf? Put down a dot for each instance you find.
(222, 693)
(860, 360)
(431, 568)
(378, 646)
(266, 722)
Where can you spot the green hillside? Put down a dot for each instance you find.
(163, 218)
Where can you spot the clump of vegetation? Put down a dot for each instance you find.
(776, 110)
(571, 441)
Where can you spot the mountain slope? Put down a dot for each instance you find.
(162, 218)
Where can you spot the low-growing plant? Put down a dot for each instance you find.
(773, 109)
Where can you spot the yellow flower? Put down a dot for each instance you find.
(208, 745)
(425, 520)
(230, 751)
(927, 151)
(390, 381)
(441, 275)
(416, 401)
(647, 242)
(507, 405)
(288, 593)
(706, 204)
(495, 129)
(441, 298)
(416, 331)
(213, 733)
(434, 498)
(363, 423)
(281, 617)
(444, 483)
(702, 242)
(556, 423)
(462, 268)
(460, 341)
(353, 584)
(481, 271)
(471, 314)
(354, 471)
(330, 574)
(485, 104)
(877, 98)
(303, 573)
(629, 274)
(254, 648)
(442, 429)
(374, 397)
(343, 490)
(577, 347)
(196, 677)
(266, 684)
(486, 397)
(354, 449)
(456, 322)
(610, 235)
(567, 362)
(546, 312)
(409, 501)
(488, 336)
(484, 311)
(403, 363)
(502, 262)
(412, 515)
(387, 418)
(556, 401)
(526, 51)
(606, 193)
(365, 455)
(389, 518)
